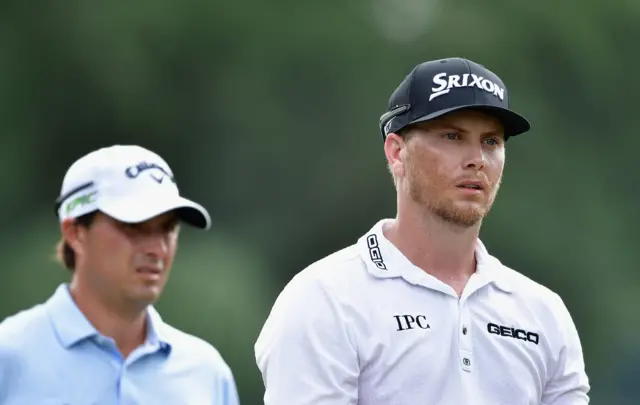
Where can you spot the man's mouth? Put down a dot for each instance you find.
(473, 185)
(148, 270)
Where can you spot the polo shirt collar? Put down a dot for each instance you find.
(72, 327)
(384, 260)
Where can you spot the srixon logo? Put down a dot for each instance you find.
(444, 83)
(514, 333)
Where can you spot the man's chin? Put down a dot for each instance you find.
(462, 216)
(146, 296)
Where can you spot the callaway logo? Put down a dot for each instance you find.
(446, 83)
(134, 171)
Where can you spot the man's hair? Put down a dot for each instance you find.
(64, 252)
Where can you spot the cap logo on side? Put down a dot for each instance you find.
(388, 125)
(446, 82)
(133, 172)
(81, 202)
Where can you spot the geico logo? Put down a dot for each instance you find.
(519, 334)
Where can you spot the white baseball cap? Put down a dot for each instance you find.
(129, 183)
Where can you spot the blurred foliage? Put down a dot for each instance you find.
(268, 115)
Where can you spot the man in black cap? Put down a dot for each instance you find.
(417, 311)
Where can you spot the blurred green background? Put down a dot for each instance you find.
(268, 112)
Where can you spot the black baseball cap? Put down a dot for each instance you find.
(438, 87)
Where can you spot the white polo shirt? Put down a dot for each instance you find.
(365, 326)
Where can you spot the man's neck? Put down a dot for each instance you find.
(441, 249)
(127, 328)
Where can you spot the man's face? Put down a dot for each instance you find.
(452, 166)
(129, 263)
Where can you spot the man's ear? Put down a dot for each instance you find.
(73, 234)
(393, 146)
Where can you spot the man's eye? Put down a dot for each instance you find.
(492, 141)
(451, 135)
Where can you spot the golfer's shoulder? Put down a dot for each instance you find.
(335, 274)
(530, 292)
(25, 326)
(25, 338)
(193, 350)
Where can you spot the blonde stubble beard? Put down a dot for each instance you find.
(425, 188)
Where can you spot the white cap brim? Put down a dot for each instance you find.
(137, 209)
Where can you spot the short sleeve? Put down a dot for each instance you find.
(305, 352)
(569, 384)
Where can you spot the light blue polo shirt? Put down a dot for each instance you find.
(51, 354)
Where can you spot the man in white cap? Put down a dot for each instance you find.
(98, 339)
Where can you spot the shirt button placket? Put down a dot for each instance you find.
(464, 337)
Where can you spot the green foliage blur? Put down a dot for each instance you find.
(268, 112)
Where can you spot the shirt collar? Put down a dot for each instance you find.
(72, 327)
(384, 260)
(157, 331)
(492, 269)
(68, 321)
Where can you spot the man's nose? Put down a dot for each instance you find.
(475, 157)
(156, 244)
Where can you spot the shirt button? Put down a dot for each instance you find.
(466, 362)
(464, 330)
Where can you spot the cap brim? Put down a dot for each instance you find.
(135, 210)
(513, 123)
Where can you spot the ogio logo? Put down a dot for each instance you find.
(374, 252)
(445, 83)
